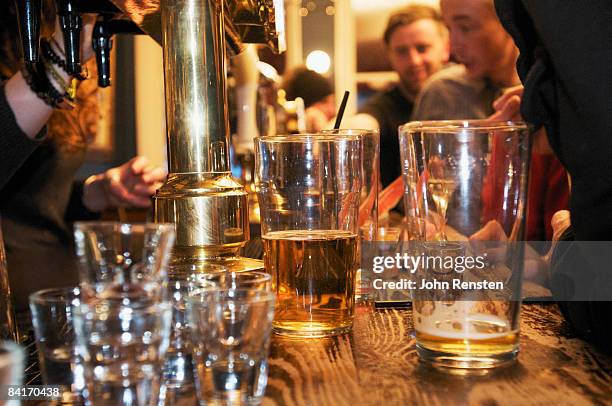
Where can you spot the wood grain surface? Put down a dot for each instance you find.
(377, 364)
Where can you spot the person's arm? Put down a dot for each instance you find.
(30, 112)
(15, 145)
(23, 114)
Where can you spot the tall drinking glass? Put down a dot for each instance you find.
(368, 202)
(121, 261)
(467, 181)
(308, 188)
(370, 180)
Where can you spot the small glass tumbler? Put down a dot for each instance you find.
(309, 187)
(231, 336)
(121, 261)
(52, 311)
(123, 349)
(178, 386)
(467, 182)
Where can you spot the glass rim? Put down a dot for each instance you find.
(254, 295)
(119, 307)
(307, 138)
(260, 276)
(81, 225)
(189, 269)
(14, 353)
(54, 295)
(448, 126)
(357, 131)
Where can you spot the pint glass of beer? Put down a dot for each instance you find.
(467, 181)
(308, 187)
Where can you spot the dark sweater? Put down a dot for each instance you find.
(391, 109)
(565, 66)
(38, 199)
(15, 146)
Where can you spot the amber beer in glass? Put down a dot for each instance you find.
(467, 182)
(308, 188)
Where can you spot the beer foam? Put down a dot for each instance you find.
(444, 326)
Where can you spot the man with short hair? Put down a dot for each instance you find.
(487, 56)
(417, 45)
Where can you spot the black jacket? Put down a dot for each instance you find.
(565, 65)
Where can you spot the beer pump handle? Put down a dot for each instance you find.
(102, 45)
(71, 23)
(28, 13)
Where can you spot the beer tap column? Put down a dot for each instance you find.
(208, 206)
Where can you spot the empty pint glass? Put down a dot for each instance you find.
(467, 182)
(368, 202)
(308, 188)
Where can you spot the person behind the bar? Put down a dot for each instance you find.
(317, 93)
(417, 45)
(487, 68)
(564, 63)
(42, 145)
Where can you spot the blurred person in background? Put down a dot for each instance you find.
(44, 135)
(317, 93)
(487, 56)
(417, 45)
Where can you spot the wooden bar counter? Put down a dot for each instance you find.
(377, 364)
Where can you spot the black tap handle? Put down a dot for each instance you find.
(28, 13)
(102, 44)
(71, 23)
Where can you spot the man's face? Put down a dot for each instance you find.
(416, 52)
(477, 38)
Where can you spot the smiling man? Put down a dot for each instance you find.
(417, 46)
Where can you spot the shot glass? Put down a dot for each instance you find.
(178, 379)
(467, 182)
(309, 188)
(121, 261)
(231, 336)
(52, 318)
(123, 349)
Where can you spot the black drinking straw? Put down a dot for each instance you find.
(341, 110)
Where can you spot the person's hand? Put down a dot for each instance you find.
(508, 106)
(129, 185)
